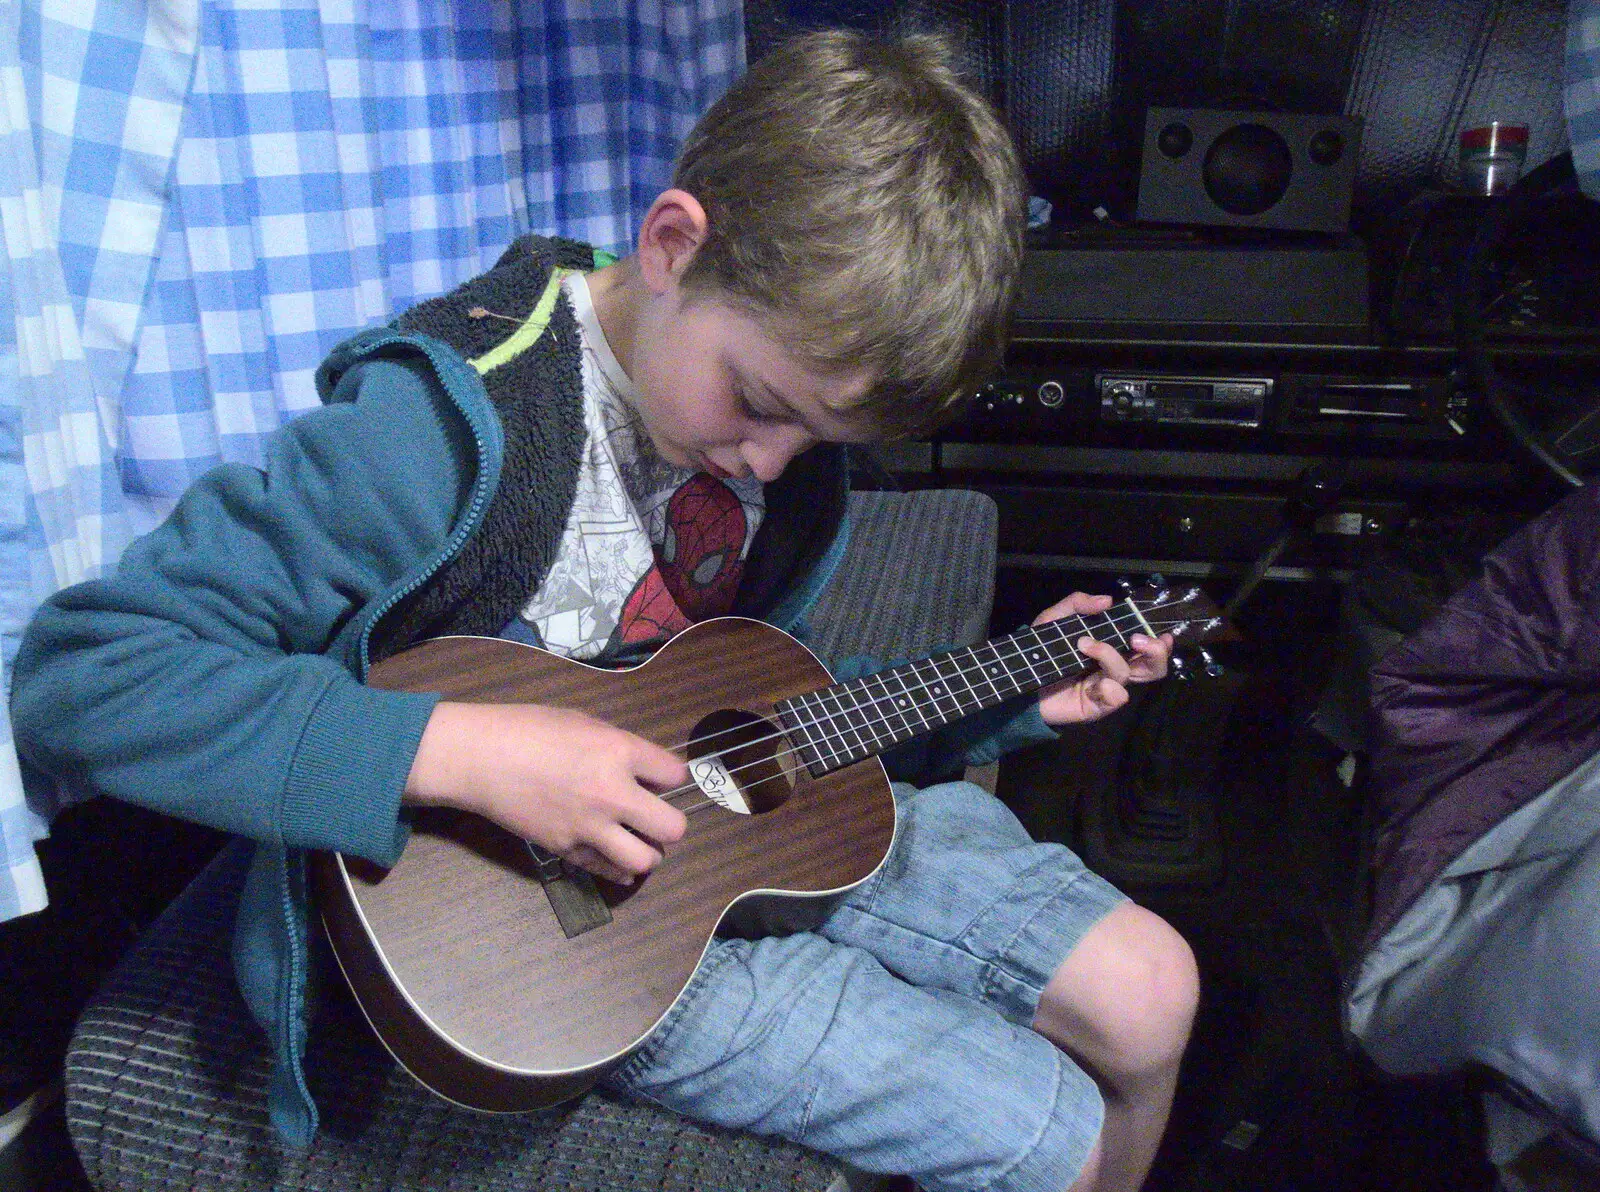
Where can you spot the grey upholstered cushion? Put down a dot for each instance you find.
(166, 1073)
(918, 576)
(166, 1089)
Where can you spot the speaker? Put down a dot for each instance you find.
(1284, 170)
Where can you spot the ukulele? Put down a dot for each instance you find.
(505, 980)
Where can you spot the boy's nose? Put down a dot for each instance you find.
(768, 453)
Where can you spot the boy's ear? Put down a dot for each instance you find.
(672, 231)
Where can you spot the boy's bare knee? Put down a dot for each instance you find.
(1156, 1030)
(1125, 999)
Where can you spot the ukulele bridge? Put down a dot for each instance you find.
(573, 896)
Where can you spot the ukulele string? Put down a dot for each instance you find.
(924, 686)
(833, 735)
(792, 752)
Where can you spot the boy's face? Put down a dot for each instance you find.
(716, 392)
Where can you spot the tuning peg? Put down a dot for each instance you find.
(1178, 629)
(1179, 668)
(1211, 626)
(1124, 585)
(1191, 594)
(1213, 667)
(1156, 580)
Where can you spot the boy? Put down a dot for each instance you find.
(590, 463)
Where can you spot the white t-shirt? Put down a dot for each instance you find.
(648, 548)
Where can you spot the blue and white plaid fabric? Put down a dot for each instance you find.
(1583, 92)
(200, 197)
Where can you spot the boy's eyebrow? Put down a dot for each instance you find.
(751, 380)
(783, 403)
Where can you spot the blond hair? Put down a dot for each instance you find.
(867, 209)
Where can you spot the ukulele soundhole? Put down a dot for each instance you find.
(736, 759)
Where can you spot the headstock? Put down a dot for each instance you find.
(1184, 611)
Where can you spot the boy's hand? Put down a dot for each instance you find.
(562, 779)
(1091, 696)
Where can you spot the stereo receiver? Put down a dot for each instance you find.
(1186, 401)
(1124, 403)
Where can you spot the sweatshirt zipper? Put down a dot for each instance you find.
(469, 523)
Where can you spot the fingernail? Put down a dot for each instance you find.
(1138, 639)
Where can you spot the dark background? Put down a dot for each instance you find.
(1264, 762)
(1074, 77)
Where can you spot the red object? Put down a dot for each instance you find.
(1495, 137)
(700, 557)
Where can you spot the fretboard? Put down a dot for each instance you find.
(847, 722)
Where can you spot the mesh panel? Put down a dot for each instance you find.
(1425, 72)
(1075, 76)
(918, 577)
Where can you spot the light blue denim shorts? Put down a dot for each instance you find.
(895, 1036)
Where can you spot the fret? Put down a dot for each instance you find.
(821, 721)
(896, 709)
(827, 733)
(844, 722)
(1005, 666)
(907, 700)
(895, 725)
(1106, 630)
(833, 728)
(946, 702)
(1064, 657)
(1032, 653)
(1065, 654)
(841, 724)
(990, 671)
(979, 681)
(797, 722)
(957, 669)
(808, 705)
(901, 712)
(869, 719)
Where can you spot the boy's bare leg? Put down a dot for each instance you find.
(1121, 1005)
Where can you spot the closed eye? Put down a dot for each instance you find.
(756, 415)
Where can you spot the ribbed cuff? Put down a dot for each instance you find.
(990, 735)
(349, 771)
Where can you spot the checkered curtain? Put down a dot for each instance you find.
(200, 197)
(1583, 92)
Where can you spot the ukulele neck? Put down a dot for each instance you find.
(836, 726)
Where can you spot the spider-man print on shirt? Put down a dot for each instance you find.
(698, 563)
(700, 554)
(650, 612)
